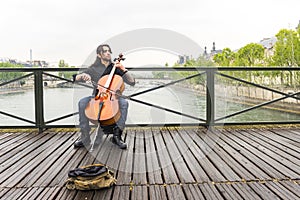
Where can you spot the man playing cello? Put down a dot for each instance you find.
(102, 66)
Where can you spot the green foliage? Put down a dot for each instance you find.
(286, 53)
(62, 64)
(199, 62)
(158, 75)
(225, 58)
(287, 49)
(250, 55)
(67, 75)
(6, 76)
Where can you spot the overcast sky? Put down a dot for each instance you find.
(72, 29)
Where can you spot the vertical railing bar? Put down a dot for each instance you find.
(39, 100)
(210, 97)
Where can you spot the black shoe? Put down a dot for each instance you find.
(108, 129)
(84, 140)
(78, 144)
(117, 140)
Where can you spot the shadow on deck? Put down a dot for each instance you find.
(170, 163)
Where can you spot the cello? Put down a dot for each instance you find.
(104, 107)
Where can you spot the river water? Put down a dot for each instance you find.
(62, 101)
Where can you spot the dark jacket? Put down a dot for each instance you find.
(96, 71)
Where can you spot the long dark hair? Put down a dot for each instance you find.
(98, 51)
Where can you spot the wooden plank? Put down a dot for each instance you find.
(90, 157)
(192, 191)
(175, 192)
(121, 192)
(12, 193)
(19, 151)
(153, 167)
(169, 174)
(236, 149)
(241, 165)
(249, 168)
(295, 131)
(139, 163)
(25, 164)
(52, 193)
(62, 167)
(114, 159)
(192, 155)
(3, 191)
(292, 163)
(42, 195)
(33, 193)
(245, 191)
(103, 194)
(85, 158)
(86, 195)
(262, 191)
(45, 170)
(228, 191)
(157, 192)
(292, 186)
(33, 161)
(259, 159)
(288, 137)
(18, 193)
(103, 152)
(292, 135)
(206, 164)
(210, 191)
(66, 194)
(139, 192)
(280, 190)
(8, 144)
(23, 150)
(209, 148)
(125, 167)
(182, 169)
(264, 154)
(285, 149)
(280, 137)
(4, 137)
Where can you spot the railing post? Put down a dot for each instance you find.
(39, 100)
(210, 97)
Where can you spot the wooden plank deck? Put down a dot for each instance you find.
(160, 163)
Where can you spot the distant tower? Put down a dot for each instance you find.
(205, 51)
(30, 57)
(214, 47)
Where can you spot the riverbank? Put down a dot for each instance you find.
(15, 90)
(250, 96)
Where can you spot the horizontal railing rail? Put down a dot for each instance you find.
(210, 75)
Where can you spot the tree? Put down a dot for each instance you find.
(6, 76)
(199, 62)
(225, 58)
(62, 64)
(250, 55)
(287, 48)
(287, 53)
(67, 75)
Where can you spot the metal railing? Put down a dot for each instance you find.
(208, 74)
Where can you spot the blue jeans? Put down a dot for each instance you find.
(84, 121)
